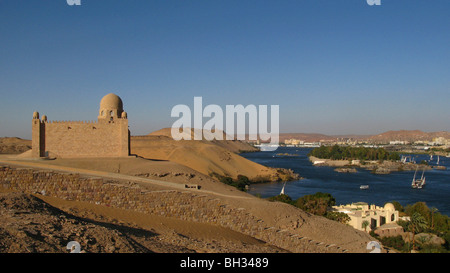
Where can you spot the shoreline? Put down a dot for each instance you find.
(377, 167)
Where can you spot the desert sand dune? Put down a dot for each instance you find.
(201, 155)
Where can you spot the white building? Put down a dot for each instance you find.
(375, 216)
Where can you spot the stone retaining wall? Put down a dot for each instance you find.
(185, 205)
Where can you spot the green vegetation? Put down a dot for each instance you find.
(282, 198)
(395, 242)
(440, 150)
(422, 220)
(365, 224)
(243, 181)
(338, 216)
(423, 162)
(353, 153)
(240, 183)
(316, 204)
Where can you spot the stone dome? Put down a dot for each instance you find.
(111, 107)
(389, 207)
(111, 102)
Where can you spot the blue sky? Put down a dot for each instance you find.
(333, 66)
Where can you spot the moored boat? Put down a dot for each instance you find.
(418, 183)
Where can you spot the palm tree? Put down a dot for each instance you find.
(433, 210)
(417, 223)
(365, 224)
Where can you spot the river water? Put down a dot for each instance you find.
(345, 187)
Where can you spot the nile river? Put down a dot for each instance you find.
(344, 187)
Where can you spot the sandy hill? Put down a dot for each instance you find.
(201, 155)
(14, 145)
(135, 166)
(231, 145)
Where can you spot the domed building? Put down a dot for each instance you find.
(107, 137)
(375, 217)
(389, 207)
(111, 107)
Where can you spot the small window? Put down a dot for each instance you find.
(392, 217)
(111, 113)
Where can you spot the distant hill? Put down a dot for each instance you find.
(233, 146)
(313, 137)
(14, 145)
(308, 137)
(408, 135)
(402, 135)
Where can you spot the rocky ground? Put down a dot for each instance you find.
(30, 225)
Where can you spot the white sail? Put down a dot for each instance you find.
(282, 190)
(418, 183)
(413, 184)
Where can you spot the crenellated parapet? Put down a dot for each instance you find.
(73, 121)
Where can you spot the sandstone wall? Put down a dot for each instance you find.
(185, 205)
(84, 139)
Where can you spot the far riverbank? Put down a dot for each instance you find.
(345, 187)
(376, 166)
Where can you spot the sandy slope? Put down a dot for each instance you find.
(152, 169)
(278, 215)
(14, 145)
(203, 156)
(46, 224)
(184, 157)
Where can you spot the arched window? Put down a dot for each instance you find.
(111, 113)
(392, 217)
